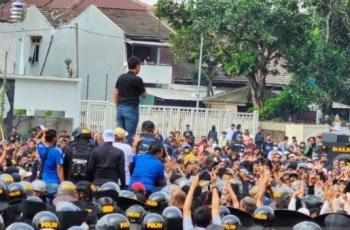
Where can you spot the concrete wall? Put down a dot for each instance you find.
(48, 93)
(25, 124)
(301, 131)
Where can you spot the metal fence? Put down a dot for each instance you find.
(100, 115)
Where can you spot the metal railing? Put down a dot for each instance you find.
(100, 115)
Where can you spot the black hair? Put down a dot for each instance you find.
(133, 62)
(50, 135)
(238, 126)
(155, 148)
(202, 216)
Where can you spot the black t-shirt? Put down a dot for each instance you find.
(130, 88)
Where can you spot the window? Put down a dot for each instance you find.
(147, 54)
(35, 50)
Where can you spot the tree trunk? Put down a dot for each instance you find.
(257, 85)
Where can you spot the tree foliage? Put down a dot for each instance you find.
(245, 36)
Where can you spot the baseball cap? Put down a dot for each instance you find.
(120, 133)
(148, 125)
(108, 135)
(138, 186)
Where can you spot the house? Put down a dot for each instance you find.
(91, 40)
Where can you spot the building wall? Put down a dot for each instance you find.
(48, 93)
(9, 43)
(99, 55)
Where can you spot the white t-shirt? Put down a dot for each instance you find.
(128, 155)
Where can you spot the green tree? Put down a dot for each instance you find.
(244, 35)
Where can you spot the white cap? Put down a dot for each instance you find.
(108, 135)
(39, 185)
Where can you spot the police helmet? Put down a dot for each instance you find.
(173, 218)
(106, 205)
(157, 202)
(15, 192)
(110, 186)
(113, 222)
(76, 228)
(66, 188)
(81, 132)
(76, 133)
(153, 221)
(224, 211)
(86, 187)
(307, 225)
(39, 186)
(28, 188)
(135, 214)
(169, 189)
(2, 224)
(231, 222)
(69, 214)
(3, 191)
(7, 179)
(264, 216)
(126, 199)
(19, 225)
(45, 220)
(127, 194)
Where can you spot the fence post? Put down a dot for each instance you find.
(88, 115)
(255, 121)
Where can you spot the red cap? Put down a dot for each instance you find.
(138, 186)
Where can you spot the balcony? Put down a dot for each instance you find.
(156, 74)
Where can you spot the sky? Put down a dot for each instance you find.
(150, 2)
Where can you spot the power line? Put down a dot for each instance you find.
(34, 30)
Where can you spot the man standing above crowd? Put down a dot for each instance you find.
(106, 163)
(128, 89)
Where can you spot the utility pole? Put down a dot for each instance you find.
(199, 72)
(3, 93)
(76, 50)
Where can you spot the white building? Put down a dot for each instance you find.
(97, 40)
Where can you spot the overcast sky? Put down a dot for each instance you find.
(150, 2)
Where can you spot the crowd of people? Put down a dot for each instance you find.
(227, 181)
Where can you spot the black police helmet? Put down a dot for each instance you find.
(84, 186)
(173, 218)
(153, 221)
(224, 211)
(16, 193)
(3, 191)
(135, 214)
(230, 222)
(307, 225)
(19, 225)
(157, 202)
(106, 205)
(110, 186)
(113, 222)
(45, 220)
(264, 216)
(172, 212)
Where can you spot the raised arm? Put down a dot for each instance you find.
(263, 182)
(189, 197)
(232, 194)
(215, 210)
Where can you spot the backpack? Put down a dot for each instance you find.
(79, 154)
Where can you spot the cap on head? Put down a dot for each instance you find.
(120, 133)
(108, 136)
(148, 126)
(138, 186)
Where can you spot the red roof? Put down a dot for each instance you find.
(115, 4)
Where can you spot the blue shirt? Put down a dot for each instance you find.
(148, 170)
(54, 158)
